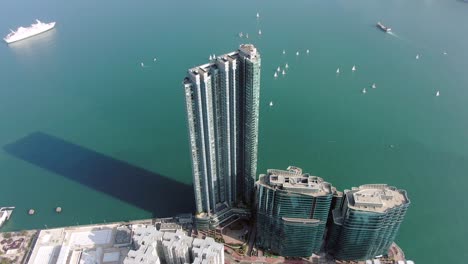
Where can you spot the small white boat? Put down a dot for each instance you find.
(284, 52)
(354, 68)
(258, 15)
(283, 72)
(259, 32)
(5, 213)
(417, 56)
(142, 64)
(374, 86)
(278, 69)
(338, 71)
(271, 103)
(154, 59)
(445, 53)
(438, 93)
(297, 53)
(211, 58)
(286, 66)
(307, 51)
(364, 91)
(276, 74)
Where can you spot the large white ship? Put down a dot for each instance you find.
(34, 29)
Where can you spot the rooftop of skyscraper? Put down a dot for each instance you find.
(294, 180)
(375, 197)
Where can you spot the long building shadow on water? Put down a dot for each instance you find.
(142, 188)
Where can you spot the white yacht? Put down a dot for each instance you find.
(354, 68)
(374, 86)
(438, 93)
(338, 71)
(22, 32)
(5, 213)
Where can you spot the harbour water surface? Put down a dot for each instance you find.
(83, 126)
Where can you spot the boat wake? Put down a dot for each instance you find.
(393, 34)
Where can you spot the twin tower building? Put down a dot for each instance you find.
(296, 214)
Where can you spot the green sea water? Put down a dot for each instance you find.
(85, 127)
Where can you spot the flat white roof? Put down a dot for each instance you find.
(90, 238)
(44, 255)
(111, 257)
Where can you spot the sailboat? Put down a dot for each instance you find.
(271, 103)
(438, 93)
(364, 91)
(417, 56)
(278, 69)
(297, 53)
(307, 51)
(284, 52)
(259, 32)
(284, 72)
(154, 59)
(276, 74)
(211, 58)
(286, 66)
(258, 15)
(338, 71)
(354, 68)
(374, 86)
(142, 64)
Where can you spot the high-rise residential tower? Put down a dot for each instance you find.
(367, 222)
(292, 211)
(222, 100)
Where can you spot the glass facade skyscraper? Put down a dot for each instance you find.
(222, 103)
(292, 211)
(367, 222)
